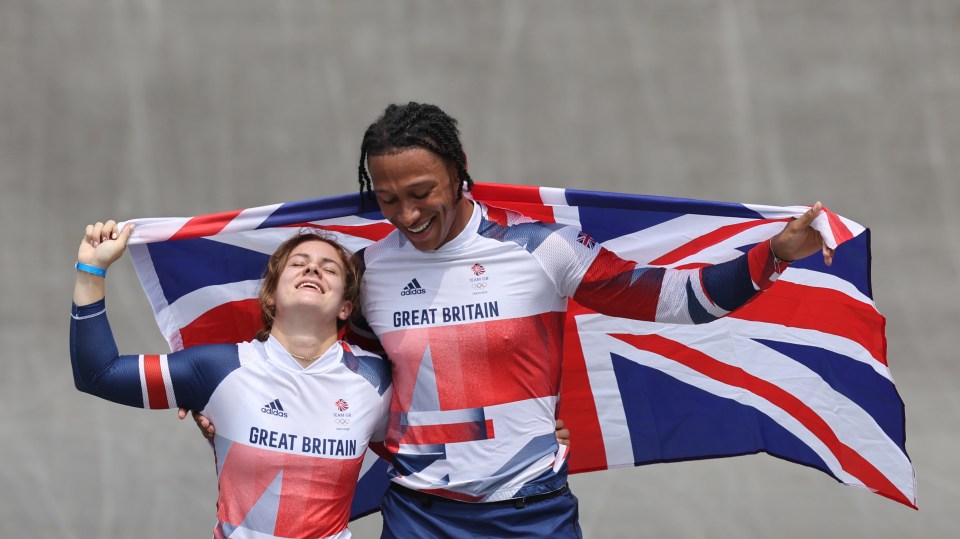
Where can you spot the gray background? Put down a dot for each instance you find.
(180, 107)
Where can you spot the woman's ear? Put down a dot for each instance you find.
(345, 310)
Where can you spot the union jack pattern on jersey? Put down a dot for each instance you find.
(585, 240)
(800, 372)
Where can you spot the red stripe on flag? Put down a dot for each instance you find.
(372, 232)
(820, 309)
(850, 460)
(153, 379)
(205, 225)
(578, 409)
(524, 199)
(840, 231)
(708, 240)
(449, 433)
(502, 193)
(228, 323)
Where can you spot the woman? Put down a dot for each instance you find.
(294, 408)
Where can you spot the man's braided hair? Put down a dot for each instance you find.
(414, 125)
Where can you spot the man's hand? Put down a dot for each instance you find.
(204, 424)
(798, 240)
(563, 435)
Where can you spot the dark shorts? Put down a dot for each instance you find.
(408, 514)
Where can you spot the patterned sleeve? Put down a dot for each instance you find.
(600, 280)
(186, 378)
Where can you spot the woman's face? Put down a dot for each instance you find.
(313, 277)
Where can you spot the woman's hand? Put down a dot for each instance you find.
(103, 244)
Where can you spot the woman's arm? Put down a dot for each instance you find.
(184, 378)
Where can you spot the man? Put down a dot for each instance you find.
(468, 302)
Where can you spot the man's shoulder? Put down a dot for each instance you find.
(392, 243)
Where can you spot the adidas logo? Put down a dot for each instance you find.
(412, 288)
(274, 408)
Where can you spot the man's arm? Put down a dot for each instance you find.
(616, 287)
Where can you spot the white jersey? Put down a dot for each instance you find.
(474, 332)
(290, 441)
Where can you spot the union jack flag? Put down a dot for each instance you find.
(800, 372)
(586, 240)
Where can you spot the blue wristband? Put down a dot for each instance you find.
(92, 270)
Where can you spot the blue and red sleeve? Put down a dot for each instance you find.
(186, 378)
(618, 287)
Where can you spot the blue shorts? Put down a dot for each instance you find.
(409, 514)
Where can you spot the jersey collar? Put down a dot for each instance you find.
(279, 355)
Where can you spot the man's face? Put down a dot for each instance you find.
(417, 192)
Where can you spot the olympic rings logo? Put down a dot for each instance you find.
(479, 286)
(342, 421)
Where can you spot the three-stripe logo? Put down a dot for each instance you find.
(274, 408)
(413, 288)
